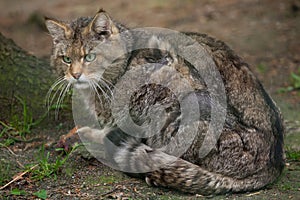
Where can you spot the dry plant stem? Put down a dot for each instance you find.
(252, 194)
(11, 151)
(18, 177)
(20, 164)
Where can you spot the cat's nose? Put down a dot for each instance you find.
(76, 75)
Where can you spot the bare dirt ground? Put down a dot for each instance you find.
(265, 33)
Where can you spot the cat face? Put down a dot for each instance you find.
(87, 50)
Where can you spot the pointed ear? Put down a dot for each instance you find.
(58, 30)
(102, 24)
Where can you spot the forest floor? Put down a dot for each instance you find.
(264, 33)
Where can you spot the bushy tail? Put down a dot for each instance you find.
(161, 169)
(187, 177)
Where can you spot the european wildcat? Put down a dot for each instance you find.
(248, 154)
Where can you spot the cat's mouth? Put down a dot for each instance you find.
(80, 84)
(99, 85)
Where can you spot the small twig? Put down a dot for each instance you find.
(18, 177)
(20, 164)
(252, 194)
(11, 151)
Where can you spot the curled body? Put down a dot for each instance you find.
(141, 100)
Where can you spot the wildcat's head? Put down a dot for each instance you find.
(88, 51)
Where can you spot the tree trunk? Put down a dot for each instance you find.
(24, 76)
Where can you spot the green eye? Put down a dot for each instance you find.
(90, 57)
(67, 59)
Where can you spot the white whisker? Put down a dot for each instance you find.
(59, 82)
(107, 82)
(107, 87)
(92, 85)
(61, 86)
(56, 82)
(58, 99)
(104, 82)
(61, 98)
(100, 86)
(103, 91)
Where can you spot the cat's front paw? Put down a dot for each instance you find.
(69, 140)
